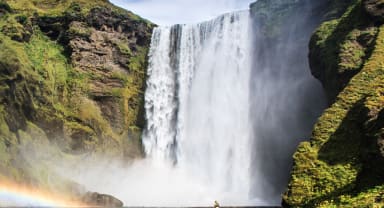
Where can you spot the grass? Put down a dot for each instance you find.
(80, 30)
(47, 99)
(340, 47)
(57, 8)
(327, 168)
(49, 62)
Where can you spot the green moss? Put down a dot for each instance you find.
(137, 62)
(58, 8)
(78, 126)
(11, 64)
(325, 31)
(339, 48)
(5, 157)
(4, 129)
(4, 6)
(49, 62)
(80, 30)
(328, 167)
(116, 92)
(124, 49)
(47, 101)
(44, 7)
(123, 77)
(370, 198)
(13, 26)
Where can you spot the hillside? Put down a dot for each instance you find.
(342, 164)
(72, 78)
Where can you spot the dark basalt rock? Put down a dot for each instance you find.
(56, 26)
(104, 18)
(109, 46)
(101, 200)
(375, 9)
(372, 152)
(21, 30)
(69, 84)
(51, 26)
(4, 8)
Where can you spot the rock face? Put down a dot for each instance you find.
(339, 48)
(342, 164)
(374, 8)
(72, 76)
(282, 30)
(272, 17)
(101, 200)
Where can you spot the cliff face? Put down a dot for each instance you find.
(285, 107)
(72, 76)
(342, 164)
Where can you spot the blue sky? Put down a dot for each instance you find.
(167, 12)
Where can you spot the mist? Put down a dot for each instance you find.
(226, 106)
(286, 98)
(198, 129)
(139, 183)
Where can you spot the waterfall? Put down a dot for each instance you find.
(197, 102)
(227, 101)
(227, 104)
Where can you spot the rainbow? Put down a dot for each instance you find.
(12, 195)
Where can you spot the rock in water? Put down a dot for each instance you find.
(102, 200)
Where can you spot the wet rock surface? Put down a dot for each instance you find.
(72, 78)
(101, 200)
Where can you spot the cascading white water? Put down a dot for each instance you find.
(197, 102)
(227, 102)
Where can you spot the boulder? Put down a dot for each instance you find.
(101, 200)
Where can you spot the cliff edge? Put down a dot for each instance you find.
(72, 78)
(342, 164)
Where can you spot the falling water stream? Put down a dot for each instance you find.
(226, 106)
(197, 102)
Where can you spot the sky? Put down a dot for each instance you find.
(169, 12)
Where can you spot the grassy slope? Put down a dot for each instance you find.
(42, 94)
(56, 8)
(335, 168)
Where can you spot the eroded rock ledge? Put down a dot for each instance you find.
(72, 81)
(342, 164)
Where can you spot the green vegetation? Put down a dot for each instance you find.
(4, 6)
(271, 16)
(370, 198)
(339, 48)
(54, 94)
(48, 60)
(341, 165)
(80, 30)
(56, 8)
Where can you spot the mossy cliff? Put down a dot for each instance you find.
(343, 163)
(281, 32)
(72, 76)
